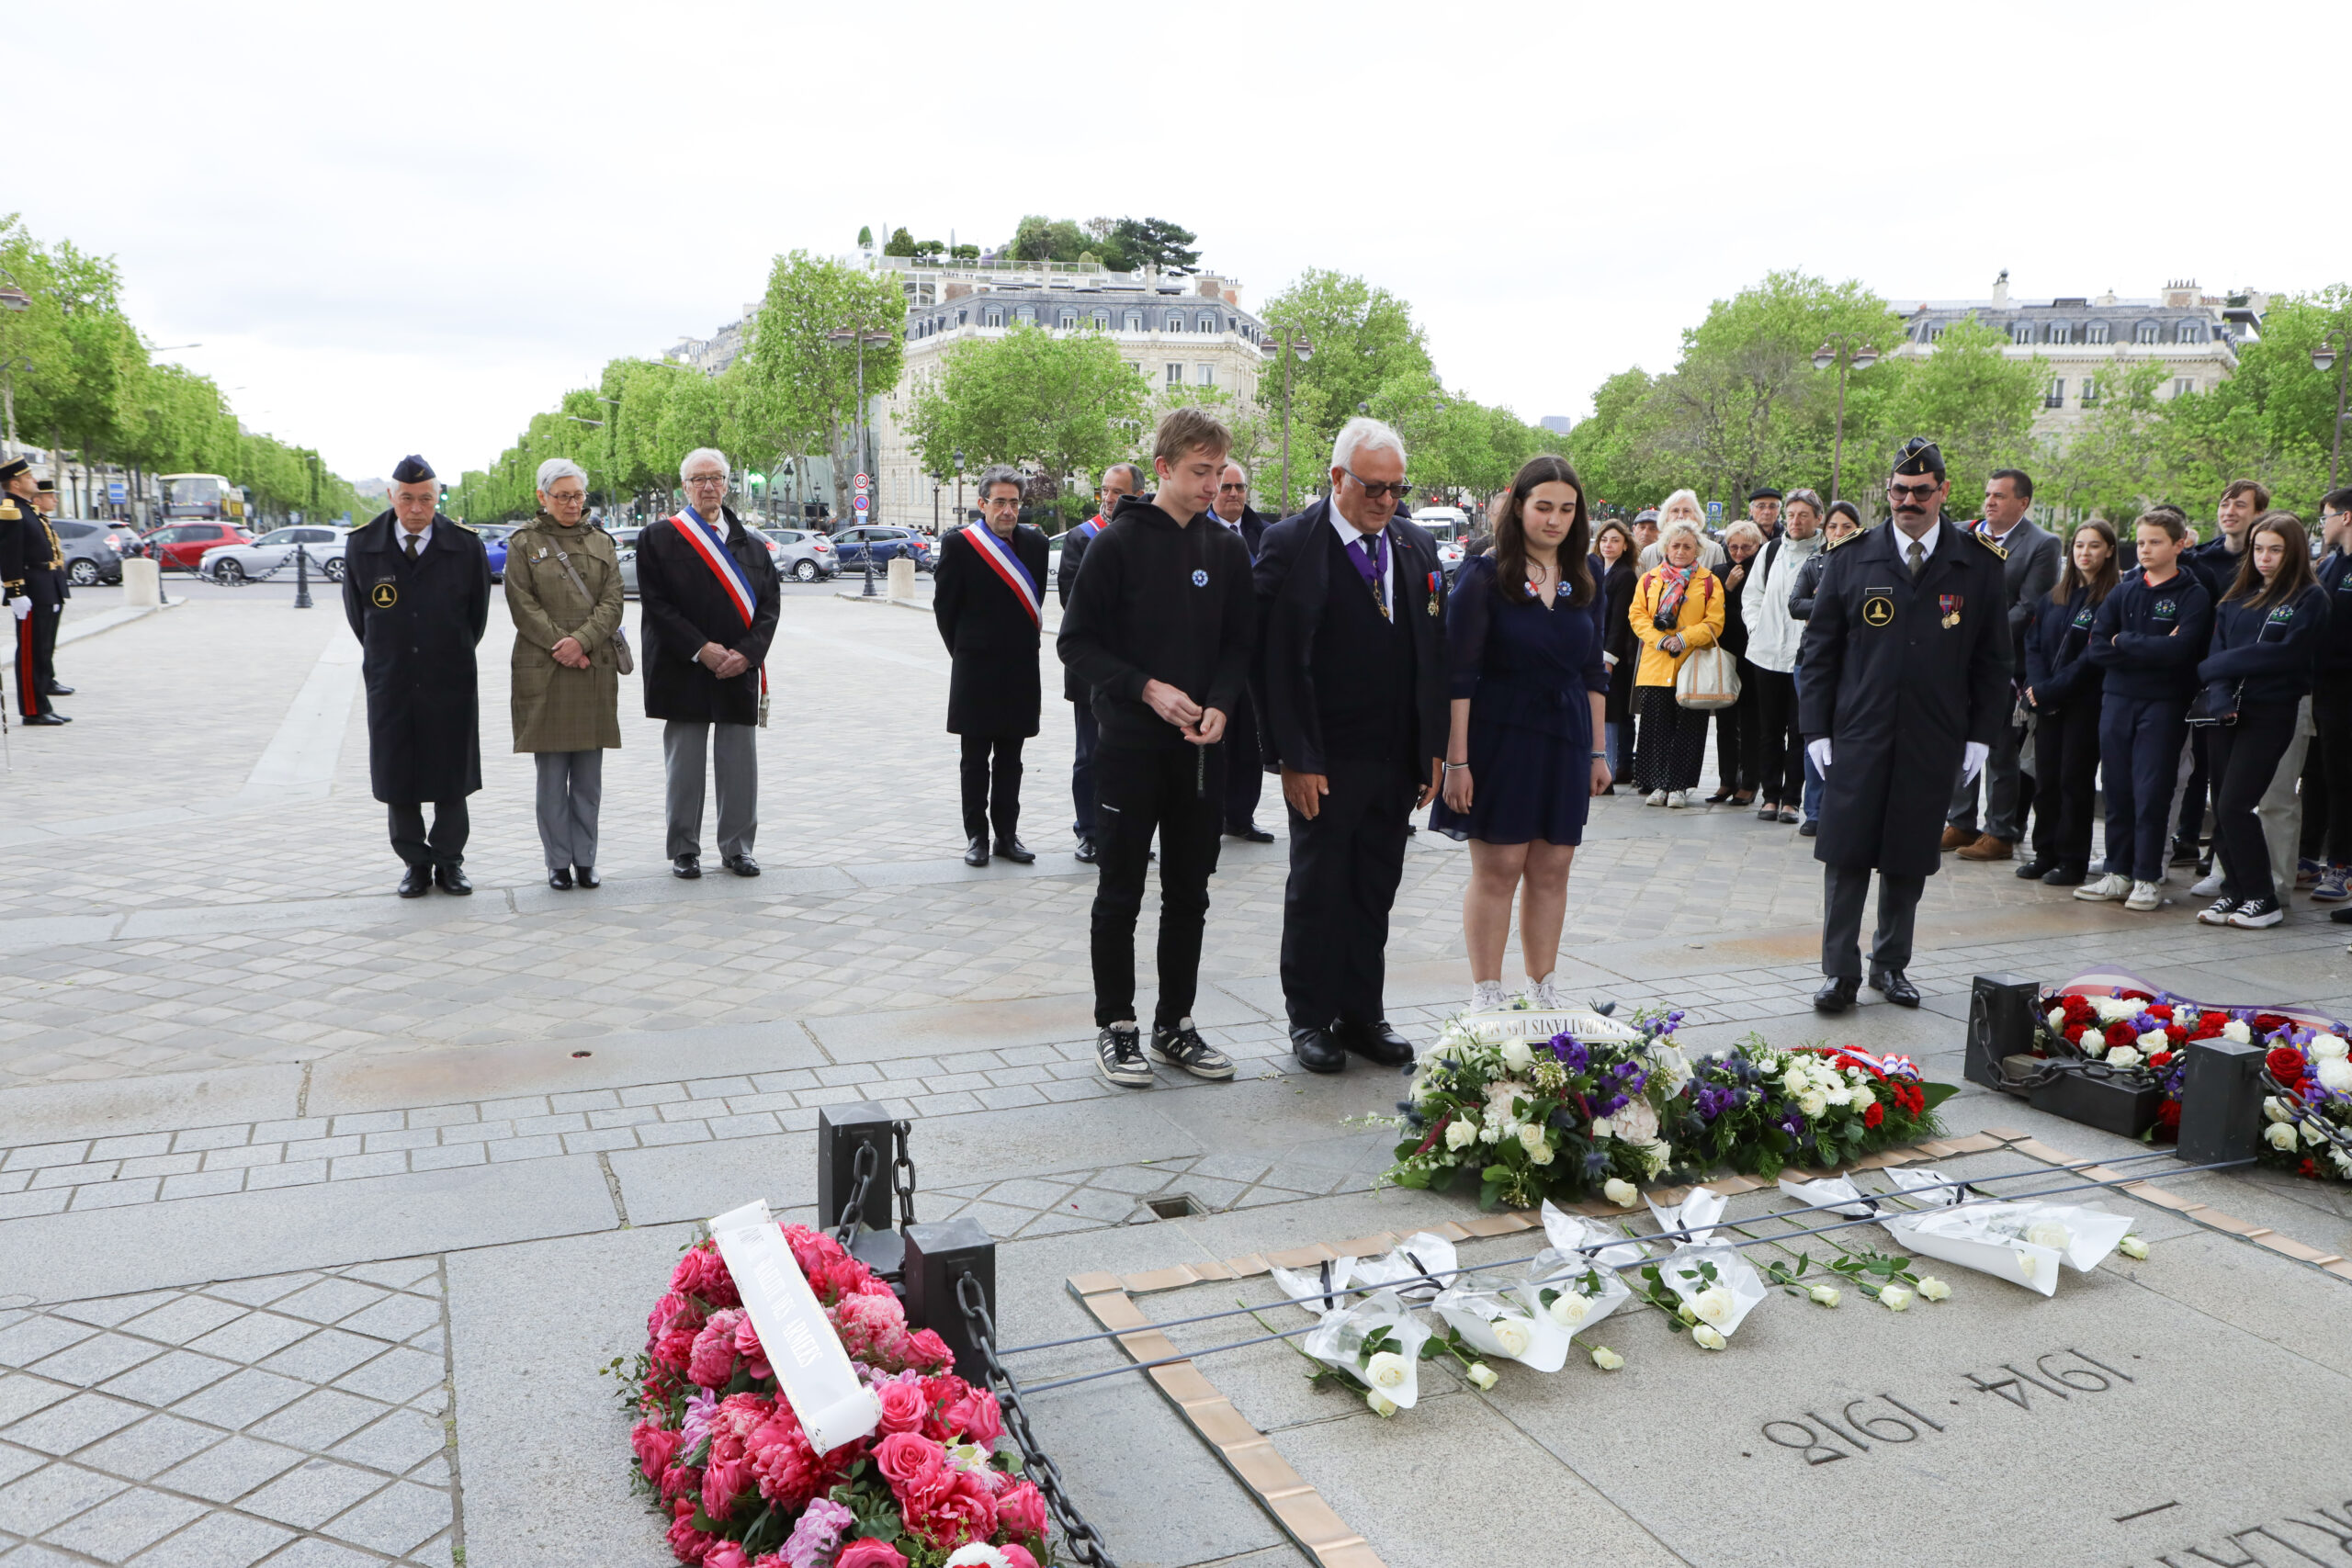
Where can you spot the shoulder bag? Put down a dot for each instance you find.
(623, 660)
(1709, 678)
(2215, 705)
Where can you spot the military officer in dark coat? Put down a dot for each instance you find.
(416, 591)
(35, 592)
(1906, 665)
(988, 603)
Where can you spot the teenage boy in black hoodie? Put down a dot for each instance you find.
(1158, 626)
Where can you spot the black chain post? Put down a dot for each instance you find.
(302, 577)
(972, 1297)
(844, 1135)
(2221, 1101)
(2000, 1024)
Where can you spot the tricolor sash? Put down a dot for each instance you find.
(997, 554)
(700, 538)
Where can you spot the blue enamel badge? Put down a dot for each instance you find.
(1200, 579)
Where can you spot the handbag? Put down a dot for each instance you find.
(2207, 709)
(623, 660)
(1709, 678)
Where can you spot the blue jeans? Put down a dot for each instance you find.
(1082, 770)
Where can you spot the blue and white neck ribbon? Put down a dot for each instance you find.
(997, 554)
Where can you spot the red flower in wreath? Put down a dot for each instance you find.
(2270, 1023)
(1874, 1115)
(2168, 1115)
(2160, 1010)
(2161, 1059)
(2286, 1065)
(2208, 1026)
(2174, 1034)
(2120, 1032)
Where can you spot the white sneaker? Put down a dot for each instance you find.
(2108, 889)
(1487, 996)
(2146, 895)
(1658, 797)
(1542, 997)
(1678, 799)
(2207, 886)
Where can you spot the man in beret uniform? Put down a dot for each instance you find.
(1906, 684)
(31, 566)
(416, 589)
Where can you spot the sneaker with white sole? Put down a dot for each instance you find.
(1182, 1046)
(2307, 872)
(2108, 889)
(2256, 913)
(1118, 1056)
(1488, 996)
(2217, 914)
(2146, 895)
(2334, 886)
(1658, 797)
(1678, 799)
(2206, 887)
(1542, 997)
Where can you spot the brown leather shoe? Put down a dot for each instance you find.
(1957, 838)
(1988, 848)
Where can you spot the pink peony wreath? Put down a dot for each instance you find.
(721, 1456)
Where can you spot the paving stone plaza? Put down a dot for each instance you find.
(320, 1210)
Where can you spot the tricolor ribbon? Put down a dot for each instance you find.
(999, 554)
(705, 542)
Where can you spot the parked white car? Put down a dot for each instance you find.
(236, 563)
(1450, 525)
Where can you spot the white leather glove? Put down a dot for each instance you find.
(1819, 751)
(20, 606)
(1974, 762)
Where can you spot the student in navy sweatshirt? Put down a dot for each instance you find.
(2266, 633)
(2147, 637)
(2064, 688)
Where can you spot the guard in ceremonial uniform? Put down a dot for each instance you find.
(416, 589)
(30, 566)
(1906, 663)
(988, 605)
(52, 588)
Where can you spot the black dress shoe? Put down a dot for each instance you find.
(1808, 830)
(1012, 849)
(2069, 874)
(1890, 984)
(1836, 995)
(686, 867)
(585, 875)
(2341, 917)
(57, 689)
(1316, 1051)
(977, 852)
(2036, 869)
(560, 878)
(741, 865)
(32, 719)
(1249, 832)
(417, 882)
(1377, 1043)
(1086, 851)
(452, 879)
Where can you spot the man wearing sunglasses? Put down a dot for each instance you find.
(1907, 686)
(1245, 776)
(1352, 686)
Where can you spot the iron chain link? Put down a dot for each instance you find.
(902, 1170)
(1085, 1543)
(863, 1169)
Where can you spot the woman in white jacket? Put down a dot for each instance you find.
(1773, 635)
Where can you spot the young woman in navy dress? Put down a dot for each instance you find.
(1523, 634)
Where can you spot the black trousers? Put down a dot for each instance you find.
(2327, 772)
(1738, 738)
(1082, 770)
(2244, 758)
(1178, 793)
(1345, 864)
(1841, 924)
(446, 845)
(1671, 743)
(2065, 785)
(1245, 777)
(2191, 827)
(1779, 769)
(992, 775)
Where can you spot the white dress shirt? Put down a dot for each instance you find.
(401, 536)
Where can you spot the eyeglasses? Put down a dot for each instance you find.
(1913, 493)
(1377, 493)
(1225, 487)
(707, 479)
(567, 496)
(1002, 501)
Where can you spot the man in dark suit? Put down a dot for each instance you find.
(1245, 774)
(1906, 684)
(416, 591)
(987, 605)
(1351, 684)
(1120, 480)
(2029, 572)
(709, 597)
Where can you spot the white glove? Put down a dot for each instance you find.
(1974, 762)
(20, 606)
(1819, 751)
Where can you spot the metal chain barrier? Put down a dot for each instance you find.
(863, 1170)
(289, 566)
(1085, 1543)
(2306, 1115)
(2057, 1067)
(902, 1171)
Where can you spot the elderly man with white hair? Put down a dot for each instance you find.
(709, 596)
(1353, 689)
(563, 593)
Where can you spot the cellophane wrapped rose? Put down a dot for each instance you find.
(719, 1451)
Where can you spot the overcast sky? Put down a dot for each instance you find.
(400, 229)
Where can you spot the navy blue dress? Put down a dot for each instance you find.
(1528, 674)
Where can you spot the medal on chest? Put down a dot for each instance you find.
(1950, 604)
(1878, 606)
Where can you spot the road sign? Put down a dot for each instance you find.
(1715, 508)
(861, 481)
(115, 494)
(860, 505)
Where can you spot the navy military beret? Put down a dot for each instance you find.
(411, 470)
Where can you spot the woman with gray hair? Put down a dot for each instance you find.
(563, 591)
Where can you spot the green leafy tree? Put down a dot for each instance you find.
(1155, 242)
(1364, 339)
(1066, 402)
(1976, 402)
(965, 253)
(800, 387)
(1047, 240)
(864, 237)
(901, 243)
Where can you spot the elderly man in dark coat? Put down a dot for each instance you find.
(416, 591)
(1906, 684)
(709, 597)
(988, 600)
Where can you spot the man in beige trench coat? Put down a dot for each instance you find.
(563, 591)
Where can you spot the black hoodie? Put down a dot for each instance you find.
(1158, 601)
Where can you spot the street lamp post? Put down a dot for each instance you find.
(2334, 353)
(959, 487)
(1286, 347)
(1847, 351)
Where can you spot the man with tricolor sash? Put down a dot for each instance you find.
(989, 603)
(709, 597)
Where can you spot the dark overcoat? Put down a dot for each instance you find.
(1900, 675)
(991, 633)
(1074, 543)
(684, 606)
(418, 627)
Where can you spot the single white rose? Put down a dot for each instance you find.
(1539, 1155)
(1828, 1295)
(1713, 1306)
(1531, 1137)
(1893, 1298)
(1381, 1404)
(1812, 1102)
(2049, 1234)
(2132, 1247)
(1687, 1312)
(2275, 1109)
(1491, 1134)
(2336, 1073)
(1461, 1133)
(2114, 1009)
(1481, 1375)
(2153, 1040)
(1568, 1308)
(1603, 1128)
(2025, 1265)
(1512, 1334)
(2056, 1019)
(1706, 1338)
(1932, 1288)
(1517, 1055)
(2313, 1136)
(1608, 1360)
(2237, 1032)
(2328, 1048)
(1656, 1156)
(1388, 1369)
(2342, 1161)
(2124, 1056)
(1622, 1192)
(2280, 1135)
(1864, 1098)
(978, 1554)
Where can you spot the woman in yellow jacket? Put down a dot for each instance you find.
(1677, 606)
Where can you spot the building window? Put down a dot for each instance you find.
(2183, 385)
(1024, 313)
(2061, 331)
(1068, 321)
(2094, 332)
(993, 316)
(1135, 321)
(1102, 317)
(1204, 375)
(2147, 333)
(1175, 324)
(1208, 320)
(1135, 366)
(1175, 374)
(2021, 332)
(2188, 333)
(2055, 398)
(1935, 334)
(2090, 392)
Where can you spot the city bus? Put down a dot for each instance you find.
(207, 497)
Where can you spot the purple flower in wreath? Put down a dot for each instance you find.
(1596, 1165)
(1793, 1124)
(1571, 1052)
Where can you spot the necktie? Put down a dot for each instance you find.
(412, 548)
(1372, 549)
(1919, 557)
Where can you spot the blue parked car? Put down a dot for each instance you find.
(493, 542)
(851, 546)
